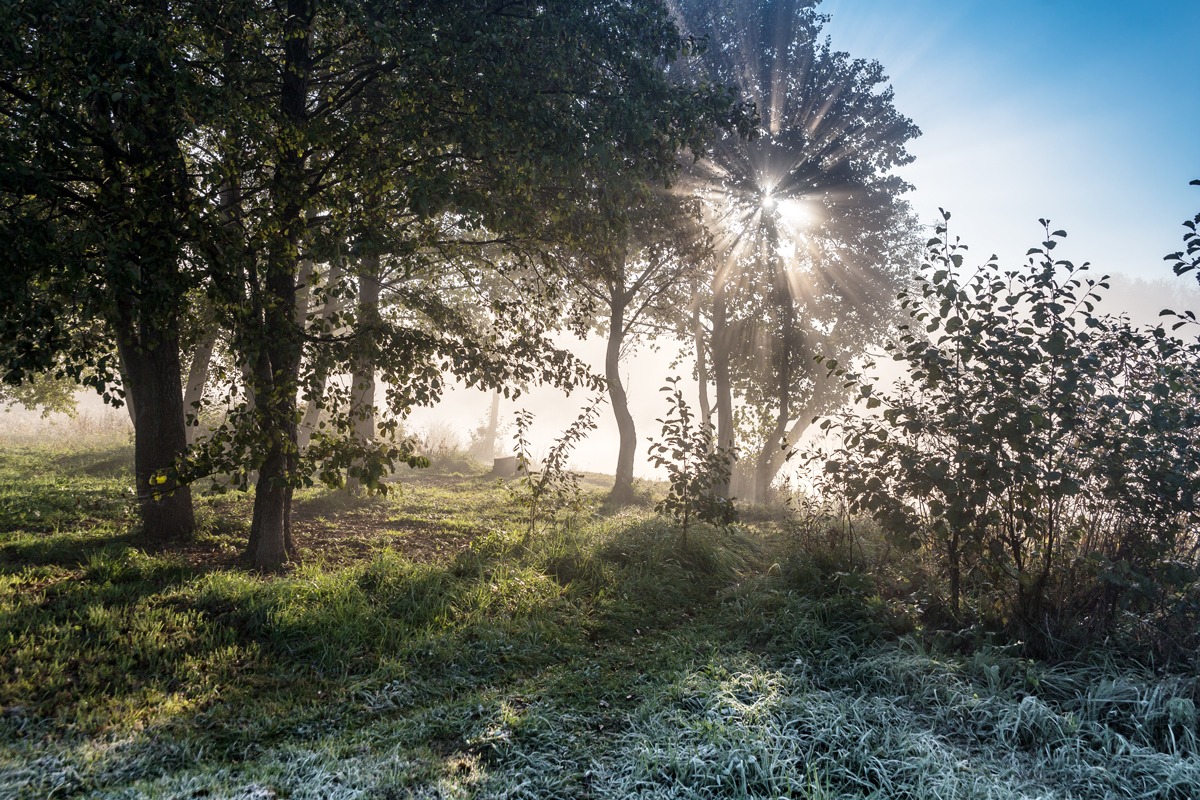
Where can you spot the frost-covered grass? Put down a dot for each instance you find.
(597, 660)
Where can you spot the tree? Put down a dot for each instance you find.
(97, 210)
(48, 394)
(154, 148)
(811, 238)
(482, 117)
(635, 284)
(1188, 259)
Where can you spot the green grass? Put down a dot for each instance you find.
(426, 649)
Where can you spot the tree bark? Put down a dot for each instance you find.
(764, 470)
(193, 395)
(313, 408)
(488, 447)
(154, 376)
(271, 544)
(148, 289)
(278, 339)
(622, 491)
(701, 363)
(362, 392)
(721, 378)
(125, 384)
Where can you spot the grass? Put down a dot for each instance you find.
(426, 649)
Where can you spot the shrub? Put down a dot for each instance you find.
(551, 487)
(695, 466)
(1046, 456)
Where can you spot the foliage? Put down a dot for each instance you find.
(228, 153)
(636, 287)
(1047, 457)
(695, 466)
(98, 208)
(550, 487)
(812, 239)
(1188, 259)
(41, 391)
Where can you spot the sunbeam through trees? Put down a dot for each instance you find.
(873, 517)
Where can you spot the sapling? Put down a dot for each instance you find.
(694, 465)
(552, 486)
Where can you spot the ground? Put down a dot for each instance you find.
(430, 646)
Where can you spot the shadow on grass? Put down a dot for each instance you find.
(68, 550)
(325, 503)
(114, 461)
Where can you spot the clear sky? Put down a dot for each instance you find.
(1086, 112)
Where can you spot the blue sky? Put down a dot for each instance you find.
(1087, 113)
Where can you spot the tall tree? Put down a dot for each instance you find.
(153, 147)
(811, 236)
(97, 209)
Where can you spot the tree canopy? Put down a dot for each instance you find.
(812, 236)
(151, 150)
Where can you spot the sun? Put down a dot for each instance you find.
(795, 213)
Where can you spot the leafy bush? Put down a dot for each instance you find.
(1046, 457)
(695, 466)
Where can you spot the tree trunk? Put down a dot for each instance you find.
(271, 544)
(197, 377)
(724, 390)
(778, 454)
(622, 491)
(312, 410)
(277, 338)
(955, 573)
(304, 281)
(149, 292)
(764, 470)
(701, 363)
(277, 379)
(126, 381)
(488, 447)
(362, 391)
(154, 376)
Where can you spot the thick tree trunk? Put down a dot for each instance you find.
(149, 291)
(271, 544)
(721, 347)
(622, 491)
(193, 394)
(154, 375)
(277, 376)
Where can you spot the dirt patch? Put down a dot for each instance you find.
(353, 538)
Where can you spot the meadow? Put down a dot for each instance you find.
(428, 646)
